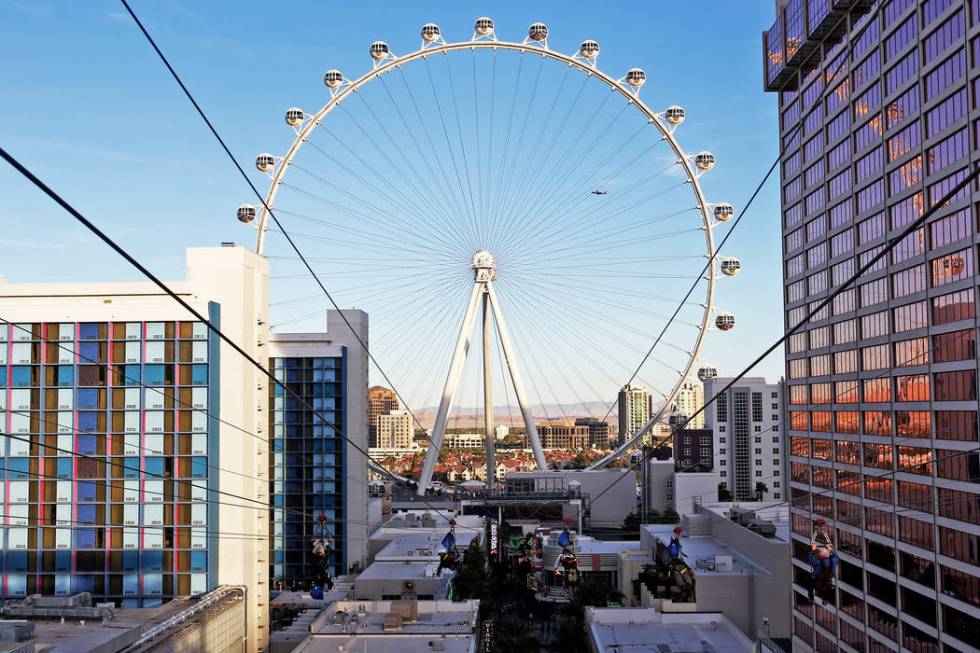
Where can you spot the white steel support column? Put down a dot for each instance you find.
(484, 272)
(449, 390)
(488, 394)
(515, 378)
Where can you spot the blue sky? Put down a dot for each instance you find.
(91, 110)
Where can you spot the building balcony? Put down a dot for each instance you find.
(799, 31)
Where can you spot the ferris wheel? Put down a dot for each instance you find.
(510, 184)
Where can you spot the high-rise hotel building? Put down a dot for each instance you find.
(133, 462)
(317, 467)
(878, 109)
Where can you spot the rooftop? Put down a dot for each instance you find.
(401, 571)
(421, 546)
(773, 511)
(701, 552)
(359, 625)
(622, 630)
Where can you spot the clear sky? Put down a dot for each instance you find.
(89, 108)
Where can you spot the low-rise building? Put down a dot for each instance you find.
(394, 627)
(463, 441)
(609, 495)
(563, 436)
(741, 566)
(615, 630)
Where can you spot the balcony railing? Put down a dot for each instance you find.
(800, 29)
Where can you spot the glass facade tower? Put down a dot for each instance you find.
(105, 463)
(878, 109)
(309, 470)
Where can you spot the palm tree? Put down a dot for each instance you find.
(760, 490)
(723, 493)
(514, 636)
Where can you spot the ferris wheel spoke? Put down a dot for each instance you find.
(558, 171)
(573, 198)
(587, 223)
(393, 200)
(485, 208)
(578, 223)
(518, 296)
(481, 239)
(401, 153)
(419, 192)
(574, 206)
(467, 200)
(558, 191)
(538, 167)
(544, 343)
(445, 186)
(515, 188)
(340, 226)
(363, 247)
(450, 205)
(497, 189)
(476, 133)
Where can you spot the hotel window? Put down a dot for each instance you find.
(846, 392)
(845, 361)
(952, 267)
(912, 352)
(942, 188)
(955, 386)
(949, 151)
(946, 113)
(954, 346)
(943, 76)
(956, 425)
(953, 307)
(845, 302)
(913, 423)
(847, 421)
(914, 387)
(874, 292)
(877, 390)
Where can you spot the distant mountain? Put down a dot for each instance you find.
(542, 412)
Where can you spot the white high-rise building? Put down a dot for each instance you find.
(395, 430)
(635, 410)
(689, 399)
(749, 439)
(146, 419)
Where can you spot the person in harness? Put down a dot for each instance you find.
(321, 579)
(823, 560)
(449, 559)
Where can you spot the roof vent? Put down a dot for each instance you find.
(227, 244)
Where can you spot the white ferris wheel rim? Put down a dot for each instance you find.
(391, 62)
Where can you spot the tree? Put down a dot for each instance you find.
(723, 493)
(514, 636)
(632, 522)
(470, 581)
(760, 490)
(591, 591)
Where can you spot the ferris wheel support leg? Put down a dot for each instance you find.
(488, 394)
(449, 391)
(515, 378)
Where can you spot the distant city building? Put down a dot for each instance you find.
(694, 449)
(315, 469)
(501, 432)
(689, 400)
(395, 430)
(563, 436)
(125, 420)
(463, 441)
(877, 108)
(599, 431)
(635, 410)
(381, 401)
(749, 441)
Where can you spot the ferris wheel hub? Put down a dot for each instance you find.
(484, 266)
